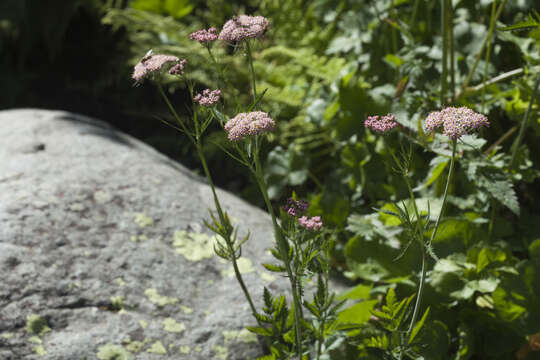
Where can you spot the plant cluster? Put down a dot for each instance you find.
(447, 264)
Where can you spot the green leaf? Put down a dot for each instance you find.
(534, 249)
(358, 313)
(502, 190)
(360, 291)
(178, 8)
(488, 256)
(259, 330)
(418, 326)
(528, 24)
(274, 268)
(438, 170)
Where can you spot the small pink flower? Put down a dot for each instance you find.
(313, 223)
(244, 27)
(248, 124)
(207, 97)
(151, 64)
(382, 125)
(455, 122)
(295, 207)
(178, 69)
(204, 36)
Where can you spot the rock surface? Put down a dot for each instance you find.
(104, 254)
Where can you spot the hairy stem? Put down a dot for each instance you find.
(251, 70)
(488, 53)
(444, 33)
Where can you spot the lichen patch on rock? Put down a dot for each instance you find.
(193, 246)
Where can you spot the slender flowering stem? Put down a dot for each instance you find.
(251, 70)
(424, 247)
(221, 214)
(281, 241)
(444, 34)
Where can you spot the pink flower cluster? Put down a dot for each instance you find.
(152, 64)
(248, 124)
(178, 69)
(455, 122)
(313, 223)
(382, 124)
(207, 97)
(295, 207)
(244, 27)
(204, 36)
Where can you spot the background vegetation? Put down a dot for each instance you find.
(327, 65)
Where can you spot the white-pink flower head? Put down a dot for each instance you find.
(455, 122)
(204, 36)
(244, 27)
(207, 97)
(313, 223)
(381, 124)
(151, 64)
(248, 124)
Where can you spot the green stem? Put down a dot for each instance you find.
(444, 34)
(251, 70)
(479, 55)
(281, 242)
(524, 122)
(450, 24)
(424, 249)
(488, 53)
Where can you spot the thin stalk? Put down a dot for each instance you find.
(424, 251)
(251, 70)
(521, 133)
(228, 241)
(414, 12)
(175, 114)
(298, 316)
(444, 34)
(479, 55)
(450, 24)
(488, 53)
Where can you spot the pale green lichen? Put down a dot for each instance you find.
(186, 310)
(7, 335)
(35, 324)
(268, 277)
(143, 220)
(245, 266)
(35, 340)
(198, 348)
(117, 302)
(101, 196)
(193, 246)
(157, 348)
(112, 352)
(140, 238)
(159, 300)
(40, 350)
(170, 325)
(143, 324)
(185, 349)
(135, 346)
(243, 335)
(120, 281)
(220, 352)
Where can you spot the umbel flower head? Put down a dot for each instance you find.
(381, 124)
(244, 27)
(455, 122)
(154, 63)
(313, 223)
(248, 124)
(207, 97)
(204, 36)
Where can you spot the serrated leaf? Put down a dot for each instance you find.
(259, 330)
(503, 191)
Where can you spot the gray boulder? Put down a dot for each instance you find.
(103, 251)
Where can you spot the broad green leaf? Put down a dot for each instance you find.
(360, 291)
(488, 256)
(534, 250)
(358, 313)
(436, 172)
